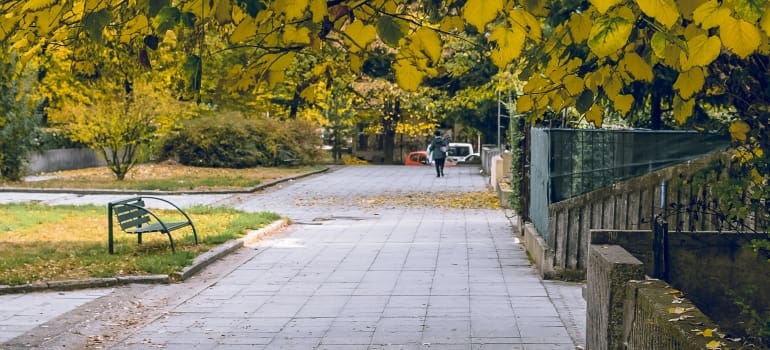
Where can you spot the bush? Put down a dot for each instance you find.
(18, 120)
(230, 140)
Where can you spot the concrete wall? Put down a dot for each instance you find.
(63, 159)
(610, 268)
(624, 311)
(538, 250)
(731, 270)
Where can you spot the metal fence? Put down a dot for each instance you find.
(569, 162)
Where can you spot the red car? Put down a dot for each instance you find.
(421, 158)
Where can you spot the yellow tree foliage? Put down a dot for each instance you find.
(121, 125)
(617, 42)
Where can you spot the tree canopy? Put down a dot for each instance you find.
(598, 56)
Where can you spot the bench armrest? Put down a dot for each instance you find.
(171, 204)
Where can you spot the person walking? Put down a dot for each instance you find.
(438, 150)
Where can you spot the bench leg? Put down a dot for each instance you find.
(139, 238)
(171, 240)
(195, 233)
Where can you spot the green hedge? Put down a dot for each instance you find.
(231, 140)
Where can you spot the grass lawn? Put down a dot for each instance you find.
(43, 243)
(161, 176)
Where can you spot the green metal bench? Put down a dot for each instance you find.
(134, 217)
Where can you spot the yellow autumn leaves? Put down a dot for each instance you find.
(459, 200)
(627, 38)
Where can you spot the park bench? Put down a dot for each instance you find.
(134, 217)
(287, 157)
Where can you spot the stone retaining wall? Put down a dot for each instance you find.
(626, 311)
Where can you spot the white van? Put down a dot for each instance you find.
(460, 152)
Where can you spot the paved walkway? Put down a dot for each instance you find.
(357, 270)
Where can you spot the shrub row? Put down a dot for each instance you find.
(232, 140)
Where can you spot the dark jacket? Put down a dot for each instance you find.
(438, 147)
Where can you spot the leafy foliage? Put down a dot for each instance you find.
(18, 120)
(120, 124)
(235, 141)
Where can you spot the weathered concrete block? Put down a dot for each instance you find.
(610, 267)
(538, 251)
(657, 317)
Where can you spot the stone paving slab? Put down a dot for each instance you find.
(349, 275)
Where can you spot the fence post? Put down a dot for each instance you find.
(660, 248)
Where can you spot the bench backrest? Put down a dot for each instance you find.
(128, 214)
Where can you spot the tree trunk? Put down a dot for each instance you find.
(656, 122)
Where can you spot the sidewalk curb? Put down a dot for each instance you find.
(207, 258)
(199, 263)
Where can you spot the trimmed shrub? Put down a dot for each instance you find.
(230, 140)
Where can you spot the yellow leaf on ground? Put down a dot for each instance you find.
(676, 310)
(480, 12)
(356, 62)
(708, 333)
(690, 82)
(664, 11)
(682, 109)
(710, 14)
(740, 36)
(738, 130)
(714, 345)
